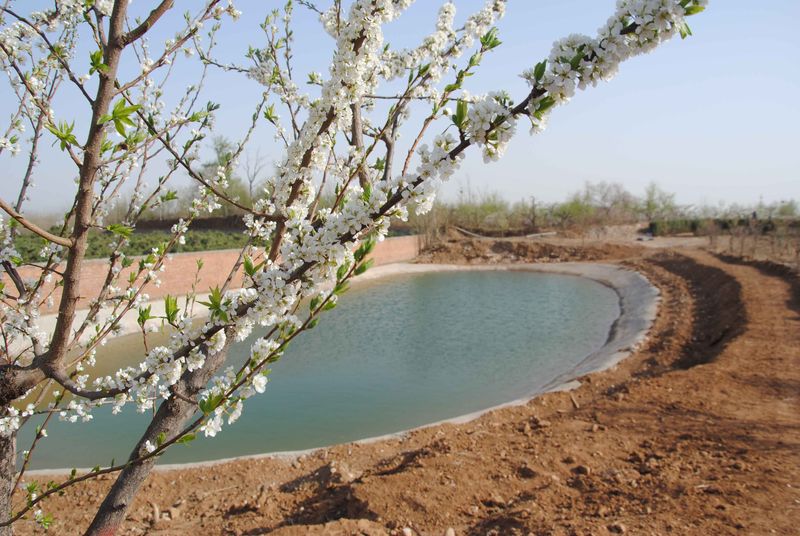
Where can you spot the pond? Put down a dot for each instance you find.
(395, 354)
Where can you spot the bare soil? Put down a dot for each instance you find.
(697, 433)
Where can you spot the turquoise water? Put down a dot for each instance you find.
(395, 354)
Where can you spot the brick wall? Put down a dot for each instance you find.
(180, 270)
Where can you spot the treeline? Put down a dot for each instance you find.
(603, 204)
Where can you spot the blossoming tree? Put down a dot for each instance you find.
(299, 257)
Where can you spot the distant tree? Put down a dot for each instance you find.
(612, 202)
(253, 168)
(577, 210)
(787, 209)
(220, 168)
(657, 203)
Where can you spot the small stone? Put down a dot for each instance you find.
(595, 427)
(407, 532)
(617, 528)
(526, 472)
(568, 460)
(450, 532)
(156, 513)
(494, 500)
(539, 423)
(581, 470)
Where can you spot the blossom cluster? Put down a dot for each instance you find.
(490, 124)
(578, 61)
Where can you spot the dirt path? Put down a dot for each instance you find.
(698, 433)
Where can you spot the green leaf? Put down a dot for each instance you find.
(96, 62)
(171, 195)
(171, 308)
(694, 10)
(577, 58)
(188, 438)
(198, 116)
(364, 249)
(475, 59)
(106, 145)
(161, 438)
(364, 266)
(342, 271)
(460, 116)
(144, 315)
(44, 520)
(215, 304)
(341, 287)
(120, 115)
(313, 323)
(64, 134)
(207, 405)
(538, 71)
(270, 115)
(489, 40)
(121, 230)
(249, 267)
(543, 105)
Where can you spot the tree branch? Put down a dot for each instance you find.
(25, 222)
(138, 32)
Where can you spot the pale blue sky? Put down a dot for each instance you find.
(712, 118)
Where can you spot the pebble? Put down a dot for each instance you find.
(617, 528)
(581, 470)
(526, 472)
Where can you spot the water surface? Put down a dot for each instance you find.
(395, 354)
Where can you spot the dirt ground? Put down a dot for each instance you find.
(697, 433)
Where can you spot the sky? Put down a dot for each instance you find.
(712, 118)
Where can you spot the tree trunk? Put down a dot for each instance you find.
(8, 471)
(171, 417)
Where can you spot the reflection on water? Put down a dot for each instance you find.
(393, 355)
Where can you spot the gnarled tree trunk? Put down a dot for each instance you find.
(171, 418)
(8, 455)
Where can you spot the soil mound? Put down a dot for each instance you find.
(455, 249)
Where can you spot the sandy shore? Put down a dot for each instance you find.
(697, 432)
